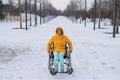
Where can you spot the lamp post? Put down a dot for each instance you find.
(44, 12)
(1, 12)
(115, 13)
(26, 12)
(0, 6)
(76, 13)
(99, 26)
(94, 13)
(118, 14)
(40, 12)
(20, 14)
(35, 2)
(85, 11)
(30, 14)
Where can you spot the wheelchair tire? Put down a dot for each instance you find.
(52, 72)
(70, 71)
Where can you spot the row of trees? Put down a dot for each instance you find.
(76, 8)
(40, 8)
(101, 9)
(15, 7)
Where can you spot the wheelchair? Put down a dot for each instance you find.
(67, 61)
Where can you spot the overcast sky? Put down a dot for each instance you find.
(61, 4)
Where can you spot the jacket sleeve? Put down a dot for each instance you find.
(69, 43)
(50, 43)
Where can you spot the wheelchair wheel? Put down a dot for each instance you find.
(52, 72)
(70, 71)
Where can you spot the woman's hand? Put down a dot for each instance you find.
(48, 52)
(70, 51)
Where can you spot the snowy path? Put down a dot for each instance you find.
(23, 53)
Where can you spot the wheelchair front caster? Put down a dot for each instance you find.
(70, 71)
(53, 72)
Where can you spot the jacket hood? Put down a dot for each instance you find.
(59, 27)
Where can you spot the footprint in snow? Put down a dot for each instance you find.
(103, 63)
(20, 77)
(1, 68)
(112, 67)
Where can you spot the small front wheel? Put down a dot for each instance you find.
(53, 72)
(70, 71)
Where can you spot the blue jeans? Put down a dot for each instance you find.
(59, 56)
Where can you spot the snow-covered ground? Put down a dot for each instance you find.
(23, 55)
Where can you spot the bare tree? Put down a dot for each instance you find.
(80, 7)
(11, 2)
(30, 12)
(35, 3)
(75, 9)
(19, 2)
(118, 16)
(72, 9)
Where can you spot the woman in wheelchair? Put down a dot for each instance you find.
(59, 50)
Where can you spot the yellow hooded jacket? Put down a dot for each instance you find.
(59, 42)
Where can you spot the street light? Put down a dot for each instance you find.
(40, 12)
(1, 11)
(115, 13)
(44, 12)
(94, 13)
(118, 14)
(35, 2)
(30, 14)
(99, 25)
(20, 13)
(85, 11)
(26, 12)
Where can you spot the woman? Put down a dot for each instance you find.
(59, 40)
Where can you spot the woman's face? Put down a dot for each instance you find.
(59, 32)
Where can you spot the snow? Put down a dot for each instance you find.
(23, 54)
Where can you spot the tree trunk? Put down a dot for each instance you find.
(44, 13)
(30, 14)
(80, 15)
(35, 3)
(40, 13)
(20, 14)
(117, 24)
